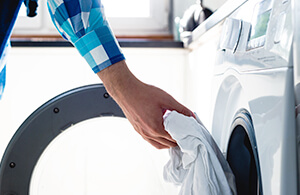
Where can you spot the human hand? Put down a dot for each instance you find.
(143, 105)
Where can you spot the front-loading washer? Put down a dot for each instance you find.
(253, 92)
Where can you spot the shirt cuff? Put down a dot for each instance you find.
(99, 48)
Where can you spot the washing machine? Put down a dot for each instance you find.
(255, 91)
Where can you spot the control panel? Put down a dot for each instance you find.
(266, 23)
(260, 31)
(259, 24)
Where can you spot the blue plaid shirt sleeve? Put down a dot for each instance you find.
(83, 23)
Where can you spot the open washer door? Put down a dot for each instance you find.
(43, 126)
(116, 153)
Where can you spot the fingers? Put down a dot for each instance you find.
(156, 144)
(160, 143)
(174, 105)
(155, 135)
(158, 137)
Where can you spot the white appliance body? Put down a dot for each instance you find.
(253, 92)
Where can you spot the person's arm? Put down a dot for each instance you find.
(143, 105)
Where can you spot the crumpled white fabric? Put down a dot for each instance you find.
(197, 163)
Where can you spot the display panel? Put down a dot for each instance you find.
(260, 25)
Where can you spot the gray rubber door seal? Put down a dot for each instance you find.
(43, 125)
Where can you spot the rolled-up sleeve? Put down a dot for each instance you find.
(83, 23)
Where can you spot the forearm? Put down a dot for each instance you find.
(118, 80)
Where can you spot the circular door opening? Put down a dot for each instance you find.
(242, 156)
(79, 143)
(100, 156)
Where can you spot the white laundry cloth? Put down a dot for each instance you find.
(197, 163)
